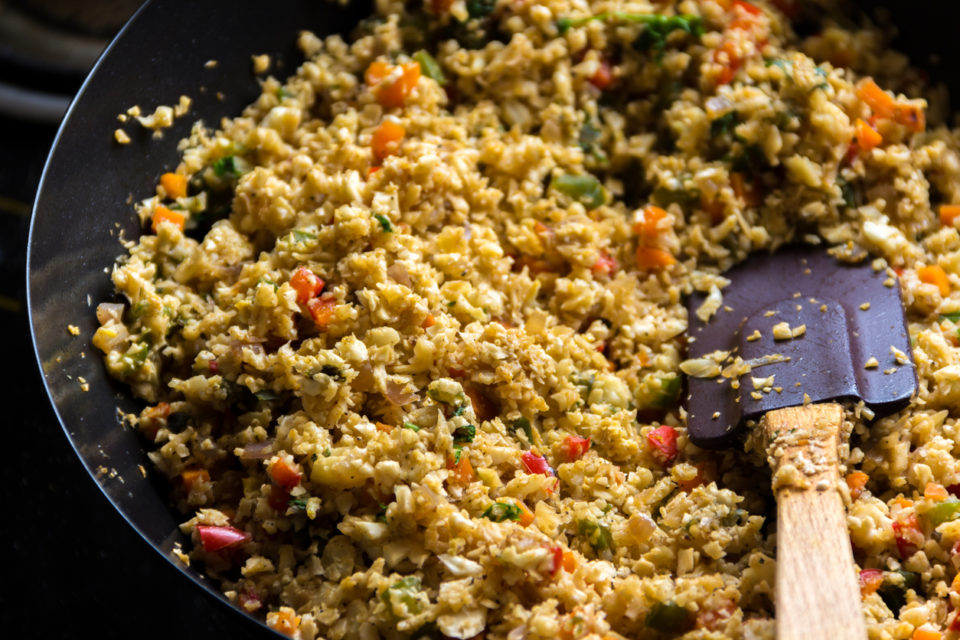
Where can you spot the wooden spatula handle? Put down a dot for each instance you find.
(817, 595)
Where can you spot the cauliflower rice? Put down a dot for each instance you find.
(410, 328)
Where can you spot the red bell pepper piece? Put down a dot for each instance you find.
(557, 552)
(306, 283)
(574, 447)
(907, 535)
(663, 440)
(870, 581)
(285, 473)
(605, 264)
(536, 464)
(215, 538)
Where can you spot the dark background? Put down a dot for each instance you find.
(78, 568)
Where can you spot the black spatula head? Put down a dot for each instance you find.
(847, 340)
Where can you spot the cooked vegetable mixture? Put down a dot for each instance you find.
(410, 328)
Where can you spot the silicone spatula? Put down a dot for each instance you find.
(798, 333)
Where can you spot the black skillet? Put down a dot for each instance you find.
(82, 207)
(82, 202)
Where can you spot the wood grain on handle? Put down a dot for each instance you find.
(817, 594)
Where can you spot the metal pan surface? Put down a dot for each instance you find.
(83, 209)
(83, 205)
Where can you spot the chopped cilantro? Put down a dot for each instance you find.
(724, 124)
(384, 222)
(500, 511)
(464, 434)
(225, 166)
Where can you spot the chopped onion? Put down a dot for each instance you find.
(396, 393)
(255, 450)
(107, 311)
(399, 274)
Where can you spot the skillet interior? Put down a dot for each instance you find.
(81, 207)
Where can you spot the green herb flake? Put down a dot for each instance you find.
(384, 222)
(298, 503)
(225, 166)
(464, 434)
(480, 8)
(724, 124)
(430, 67)
(411, 426)
(300, 236)
(669, 617)
(686, 198)
(596, 533)
(500, 511)
(669, 393)
(585, 189)
(523, 424)
(405, 591)
(894, 592)
(943, 511)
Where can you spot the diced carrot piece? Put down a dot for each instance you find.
(429, 321)
(602, 78)
(461, 471)
(865, 136)
(911, 116)
(321, 310)
(648, 228)
(174, 184)
(372, 170)
(306, 283)
(384, 427)
(653, 258)
(935, 275)
(955, 584)
(526, 516)
(934, 491)
(285, 620)
(192, 477)
(902, 502)
(376, 72)
(386, 139)
(749, 8)
(949, 213)
(748, 193)
(162, 214)
(925, 633)
(392, 93)
(569, 562)
(870, 581)
(880, 102)
(285, 473)
(856, 481)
